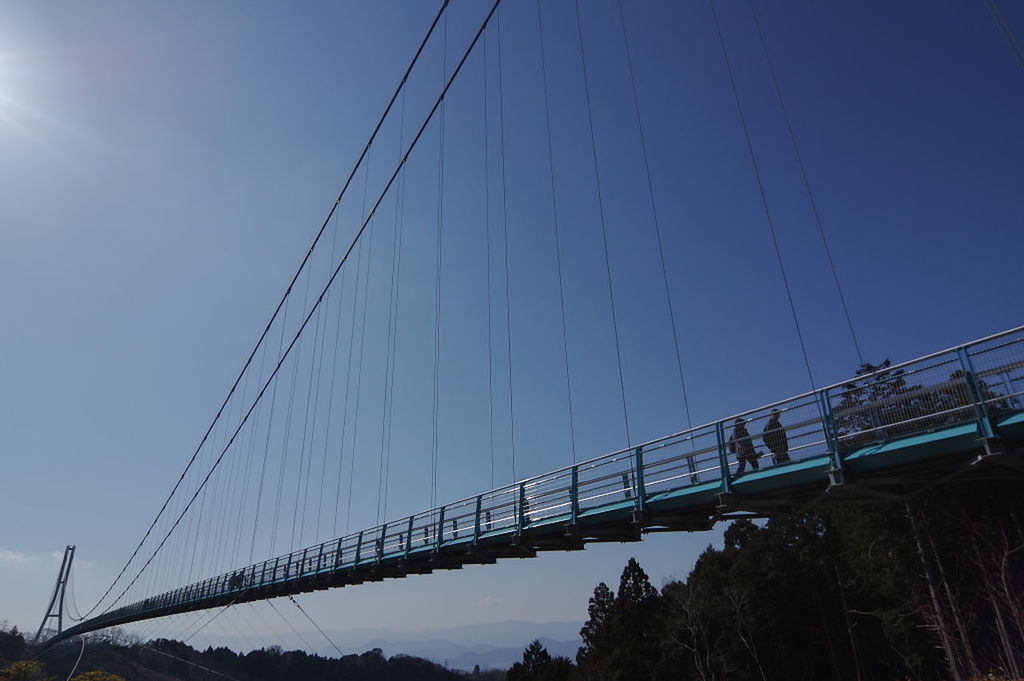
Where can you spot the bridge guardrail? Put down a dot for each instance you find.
(973, 383)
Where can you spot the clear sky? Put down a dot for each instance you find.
(163, 169)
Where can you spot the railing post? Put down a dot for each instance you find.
(1008, 388)
(408, 537)
(692, 466)
(641, 491)
(320, 559)
(828, 426)
(574, 494)
(273, 577)
(302, 562)
(359, 547)
(980, 408)
(338, 555)
(723, 458)
(521, 515)
(440, 531)
(380, 541)
(263, 574)
(476, 519)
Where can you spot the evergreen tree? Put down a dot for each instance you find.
(538, 665)
(621, 637)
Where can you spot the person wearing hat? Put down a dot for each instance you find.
(774, 436)
(741, 445)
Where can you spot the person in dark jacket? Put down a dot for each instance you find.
(740, 444)
(774, 436)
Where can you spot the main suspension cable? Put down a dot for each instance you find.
(1005, 30)
(319, 300)
(280, 304)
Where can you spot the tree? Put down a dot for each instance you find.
(621, 638)
(535, 660)
(595, 630)
(25, 671)
(538, 665)
(98, 676)
(12, 643)
(869, 404)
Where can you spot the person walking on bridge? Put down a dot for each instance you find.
(774, 436)
(741, 445)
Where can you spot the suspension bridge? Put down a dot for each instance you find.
(289, 428)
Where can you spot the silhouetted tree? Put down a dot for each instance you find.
(98, 676)
(538, 665)
(621, 638)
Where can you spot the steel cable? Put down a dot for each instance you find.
(604, 227)
(761, 191)
(400, 87)
(558, 247)
(1005, 30)
(318, 628)
(806, 181)
(654, 214)
(506, 254)
(355, 240)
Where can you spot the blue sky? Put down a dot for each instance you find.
(165, 167)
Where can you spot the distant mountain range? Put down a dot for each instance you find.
(492, 645)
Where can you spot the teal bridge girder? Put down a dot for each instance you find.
(887, 434)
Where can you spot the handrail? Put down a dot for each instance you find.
(513, 502)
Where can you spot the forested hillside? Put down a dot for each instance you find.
(929, 588)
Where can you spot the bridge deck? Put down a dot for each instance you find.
(885, 433)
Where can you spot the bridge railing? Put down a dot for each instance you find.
(976, 383)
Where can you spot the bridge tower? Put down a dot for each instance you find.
(55, 610)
